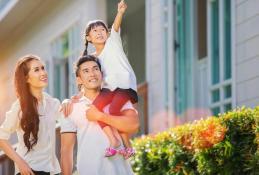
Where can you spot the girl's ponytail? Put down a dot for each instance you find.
(86, 46)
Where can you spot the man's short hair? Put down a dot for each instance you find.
(83, 59)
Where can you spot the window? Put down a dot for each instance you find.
(65, 50)
(220, 56)
(165, 51)
(215, 41)
(167, 21)
(183, 55)
(47, 66)
(202, 28)
(227, 41)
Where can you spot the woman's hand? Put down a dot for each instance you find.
(122, 6)
(76, 98)
(67, 105)
(24, 168)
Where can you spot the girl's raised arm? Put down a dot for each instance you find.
(122, 6)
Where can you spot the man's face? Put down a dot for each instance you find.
(90, 76)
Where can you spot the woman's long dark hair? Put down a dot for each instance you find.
(89, 27)
(30, 116)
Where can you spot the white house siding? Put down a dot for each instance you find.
(247, 53)
(245, 57)
(35, 34)
(155, 63)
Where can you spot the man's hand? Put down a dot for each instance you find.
(93, 114)
(122, 6)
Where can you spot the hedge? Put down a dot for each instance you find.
(222, 145)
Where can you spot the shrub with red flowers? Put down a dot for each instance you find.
(208, 133)
(227, 144)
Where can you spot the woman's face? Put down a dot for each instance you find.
(37, 76)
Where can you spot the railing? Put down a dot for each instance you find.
(143, 106)
(7, 165)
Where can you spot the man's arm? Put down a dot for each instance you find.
(128, 122)
(122, 6)
(67, 148)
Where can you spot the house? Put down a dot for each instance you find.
(196, 57)
(201, 58)
(192, 58)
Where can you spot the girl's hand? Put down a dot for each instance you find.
(122, 6)
(24, 168)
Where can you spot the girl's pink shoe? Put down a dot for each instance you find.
(110, 152)
(122, 151)
(127, 152)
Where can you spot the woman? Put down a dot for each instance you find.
(33, 117)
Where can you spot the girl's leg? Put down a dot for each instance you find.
(120, 97)
(103, 99)
(114, 142)
(128, 151)
(126, 139)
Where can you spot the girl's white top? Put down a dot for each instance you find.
(42, 157)
(117, 70)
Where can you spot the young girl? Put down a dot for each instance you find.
(119, 79)
(33, 117)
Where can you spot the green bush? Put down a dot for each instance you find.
(224, 145)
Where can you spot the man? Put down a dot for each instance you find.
(91, 139)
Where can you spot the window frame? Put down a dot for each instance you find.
(222, 81)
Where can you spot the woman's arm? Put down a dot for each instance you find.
(122, 6)
(9, 151)
(7, 128)
(128, 122)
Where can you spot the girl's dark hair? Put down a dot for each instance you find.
(83, 59)
(89, 27)
(28, 103)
